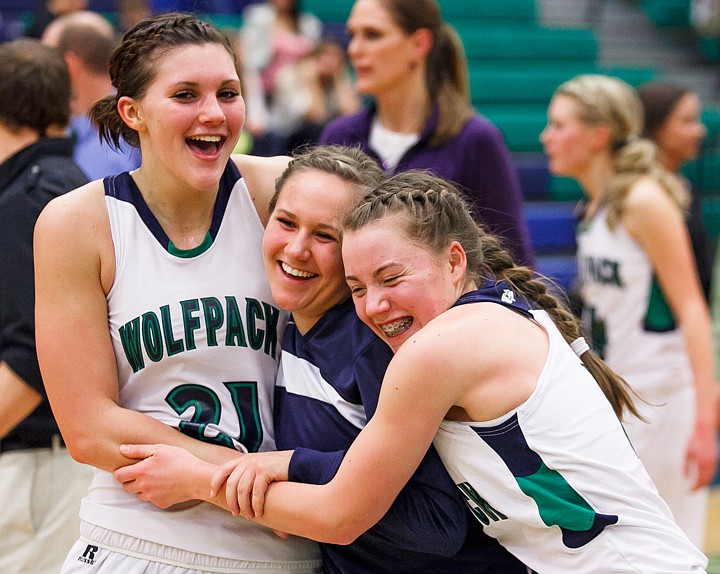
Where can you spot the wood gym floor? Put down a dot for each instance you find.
(712, 536)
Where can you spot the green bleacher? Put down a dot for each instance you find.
(515, 65)
(526, 42)
(676, 13)
(517, 100)
(501, 11)
(667, 12)
(454, 11)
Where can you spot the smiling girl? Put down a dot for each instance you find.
(153, 310)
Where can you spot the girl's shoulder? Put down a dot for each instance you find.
(259, 174)
(84, 202)
(648, 193)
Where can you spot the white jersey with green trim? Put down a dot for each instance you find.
(197, 339)
(625, 313)
(557, 482)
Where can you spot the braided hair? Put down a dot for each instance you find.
(433, 214)
(133, 66)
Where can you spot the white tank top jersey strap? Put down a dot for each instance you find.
(197, 341)
(558, 484)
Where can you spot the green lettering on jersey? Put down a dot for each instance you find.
(214, 317)
(153, 333)
(152, 336)
(173, 345)
(234, 331)
(479, 506)
(130, 339)
(272, 315)
(191, 323)
(603, 271)
(254, 312)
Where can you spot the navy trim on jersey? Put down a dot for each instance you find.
(499, 292)
(123, 188)
(559, 504)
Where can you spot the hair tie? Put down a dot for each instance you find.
(580, 346)
(632, 138)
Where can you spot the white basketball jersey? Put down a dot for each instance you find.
(197, 341)
(558, 484)
(625, 311)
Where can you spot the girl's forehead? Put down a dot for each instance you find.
(389, 231)
(186, 60)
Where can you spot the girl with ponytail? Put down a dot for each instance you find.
(139, 247)
(490, 368)
(413, 66)
(642, 301)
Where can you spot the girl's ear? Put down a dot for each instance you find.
(423, 42)
(131, 113)
(458, 262)
(602, 137)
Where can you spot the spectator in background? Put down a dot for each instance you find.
(310, 93)
(275, 34)
(257, 115)
(47, 10)
(131, 12)
(414, 66)
(40, 484)
(672, 121)
(643, 304)
(86, 40)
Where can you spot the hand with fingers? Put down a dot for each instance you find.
(154, 477)
(246, 481)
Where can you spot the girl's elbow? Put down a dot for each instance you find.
(341, 528)
(343, 535)
(82, 447)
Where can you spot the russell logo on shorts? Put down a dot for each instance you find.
(88, 556)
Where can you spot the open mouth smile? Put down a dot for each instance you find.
(296, 273)
(396, 328)
(206, 145)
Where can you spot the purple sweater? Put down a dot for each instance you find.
(476, 160)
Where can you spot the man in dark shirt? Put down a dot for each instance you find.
(40, 484)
